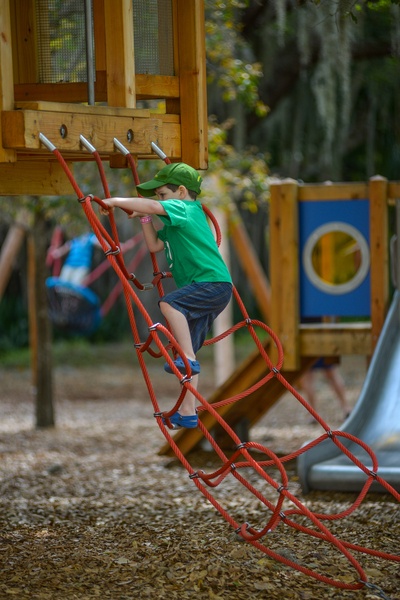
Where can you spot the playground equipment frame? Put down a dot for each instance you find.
(326, 339)
(61, 110)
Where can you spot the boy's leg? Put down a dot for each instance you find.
(180, 328)
(181, 332)
(208, 300)
(188, 406)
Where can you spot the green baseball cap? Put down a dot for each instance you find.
(176, 173)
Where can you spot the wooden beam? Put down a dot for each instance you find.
(379, 251)
(39, 324)
(83, 109)
(275, 218)
(21, 130)
(120, 53)
(11, 247)
(6, 73)
(190, 37)
(171, 142)
(25, 65)
(61, 92)
(335, 339)
(284, 269)
(37, 178)
(336, 191)
(32, 306)
(156, 86)
(99, 28)
(147, 86)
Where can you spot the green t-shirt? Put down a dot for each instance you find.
(190, 248)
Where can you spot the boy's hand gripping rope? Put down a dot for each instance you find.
(242, 460)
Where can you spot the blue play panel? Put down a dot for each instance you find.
(318, 299)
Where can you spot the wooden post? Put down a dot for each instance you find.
(379, 244)
(190, 35)
(39, 324)
(120, 53)
(6, 73)
(10, 249)
(250, 263)
(284, 270)
(26, 51)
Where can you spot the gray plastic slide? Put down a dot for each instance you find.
(375, 420)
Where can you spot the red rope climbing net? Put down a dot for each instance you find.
(249, 459)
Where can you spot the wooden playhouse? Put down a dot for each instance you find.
(130, 69)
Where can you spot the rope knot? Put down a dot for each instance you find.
(239, 529)
(82, 199)
(113, 252)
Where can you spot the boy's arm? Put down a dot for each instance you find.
(144, 208)
(153, 242)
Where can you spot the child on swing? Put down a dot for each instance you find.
(204, 285)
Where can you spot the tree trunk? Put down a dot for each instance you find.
(40, 327)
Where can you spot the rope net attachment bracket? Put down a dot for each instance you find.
(120, 147)
(86, 144)
(46, 142)
(158, 151)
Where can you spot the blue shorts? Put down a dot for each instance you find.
(200, 303)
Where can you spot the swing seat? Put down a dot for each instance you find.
(72, 307)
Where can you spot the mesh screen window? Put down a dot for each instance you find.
(153, 32)
(61, 41)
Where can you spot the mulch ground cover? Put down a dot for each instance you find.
(89, 509)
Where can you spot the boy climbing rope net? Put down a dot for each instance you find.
(286, 507)
(202, 278)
